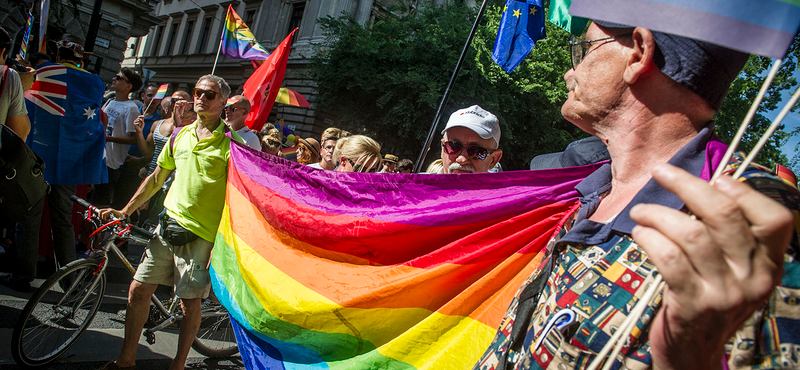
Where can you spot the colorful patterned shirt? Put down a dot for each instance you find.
(599, 274)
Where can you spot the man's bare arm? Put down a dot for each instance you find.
(21, 125)
(149, 187)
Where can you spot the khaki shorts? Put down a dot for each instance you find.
(185, 267)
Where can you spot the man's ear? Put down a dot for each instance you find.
(640, 59)
(496, 157)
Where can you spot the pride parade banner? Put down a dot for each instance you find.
(323, 269)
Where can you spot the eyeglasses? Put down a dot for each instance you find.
(579, 48)
(360, 167)
(210, 94)
(120, 77)
(474, 151)
(232, 108)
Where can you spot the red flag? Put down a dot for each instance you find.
(263, 86)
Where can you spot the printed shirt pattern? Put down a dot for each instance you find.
(602, 282)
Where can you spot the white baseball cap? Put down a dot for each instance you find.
(476, 119)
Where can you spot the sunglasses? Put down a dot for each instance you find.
(474, 151)
(120, 77)
(361, 167)
(232, 108)
(211, 95)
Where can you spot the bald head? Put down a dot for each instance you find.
(237, 111)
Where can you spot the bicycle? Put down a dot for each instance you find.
(63, 307)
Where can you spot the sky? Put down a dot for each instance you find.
(791, 121)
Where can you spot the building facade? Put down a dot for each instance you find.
(183, 46)
(121, 20)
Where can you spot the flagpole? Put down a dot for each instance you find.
(221, 36)
(218, 50)
(429, 139)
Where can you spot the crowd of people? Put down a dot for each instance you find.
(647, 97)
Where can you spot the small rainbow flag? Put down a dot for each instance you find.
(377, 271)
(230, 102)
(162, 92)
(27, 35)
(238, 41)
(291, 97)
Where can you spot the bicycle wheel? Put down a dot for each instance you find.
(58, 313)
(215, 337)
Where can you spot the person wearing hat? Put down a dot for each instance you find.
(650, 97)
(308, 151)
(389, 163)
(236, 110)
(470, 142)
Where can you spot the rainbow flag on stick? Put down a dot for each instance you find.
(238, 41)
(161, 92)
(27, 35)
(377, 271)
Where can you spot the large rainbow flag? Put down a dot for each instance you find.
(323, 269)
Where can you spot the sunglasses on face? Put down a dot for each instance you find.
(474, 151)
(120, 77)
(232, 108)
(361, 167)
(210, 94)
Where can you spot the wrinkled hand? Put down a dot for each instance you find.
(178, 110)
(138, 123)
(106, 214)
(720, 267)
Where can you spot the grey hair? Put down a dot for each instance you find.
(224, 88)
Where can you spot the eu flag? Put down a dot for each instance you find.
(522, 24)
(66, 131)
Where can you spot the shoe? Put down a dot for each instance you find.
(16, 284)
(113, 366)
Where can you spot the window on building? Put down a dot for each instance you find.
(203, 39)
(172, 38)
(188, 38)
(250, 17)
(296, 18)
(156, 41)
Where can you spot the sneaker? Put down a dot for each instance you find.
(16, 284)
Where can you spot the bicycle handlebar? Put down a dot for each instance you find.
(134, 229)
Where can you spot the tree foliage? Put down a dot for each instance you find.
(386, 81)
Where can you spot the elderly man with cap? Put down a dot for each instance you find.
(389, 163)
(236, 110)
(650, 98)
(470, 142)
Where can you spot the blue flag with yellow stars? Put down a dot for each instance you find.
(522, 24)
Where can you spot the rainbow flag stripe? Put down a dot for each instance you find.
(161, 92)
(291, 97)
(330, 270)
(238, 41)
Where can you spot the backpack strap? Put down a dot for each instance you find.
(3, 83)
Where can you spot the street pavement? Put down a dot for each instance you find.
(103, 340)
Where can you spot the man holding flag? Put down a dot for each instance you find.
(650, 97)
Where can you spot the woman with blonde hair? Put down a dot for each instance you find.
(357, 153)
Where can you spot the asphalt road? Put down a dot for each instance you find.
(103, 340)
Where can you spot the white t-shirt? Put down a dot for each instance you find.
(121, 115)
(12, 103)
(250, 138)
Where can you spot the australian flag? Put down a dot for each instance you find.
(66, 131)
(522, 24)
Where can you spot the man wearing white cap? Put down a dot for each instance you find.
(471, 140)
